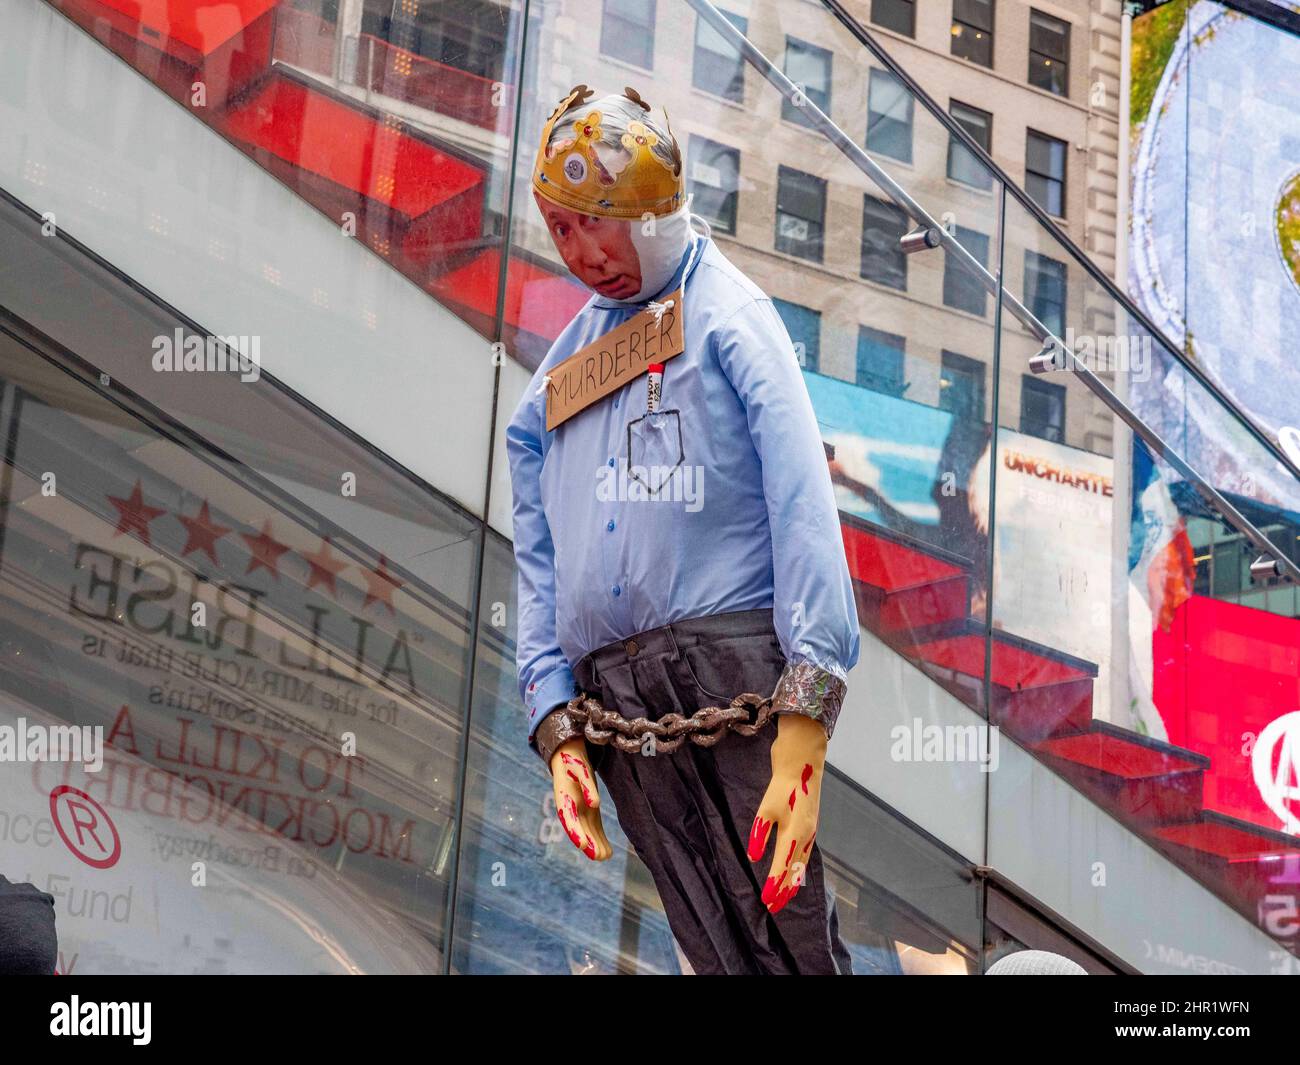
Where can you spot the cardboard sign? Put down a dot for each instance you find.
(611, 361)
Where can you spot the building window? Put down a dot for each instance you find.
(961, 387)
(805, 327)
(896, 15)
(1045, 290)
(1049, 53)
(714, 180)
(961, 289)
(889, 117)
(809, 67)
(972, 31)
(1045, 172)
(880, 361)
(719, 68)
(963, 164)
(627, 31)
(800, 213)
(883, 226)
(1042, 409)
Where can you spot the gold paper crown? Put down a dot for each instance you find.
(598, 170)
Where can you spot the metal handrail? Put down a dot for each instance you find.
(938, 236)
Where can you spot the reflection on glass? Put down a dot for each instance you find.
(889, 116)
(880, 361)
(883, 227)
(528, 901)
(279, 703)
(1121, 588)
(963, 164)
(809, 67)
(800, 213)
(961, 289)
(713, 181)
(393, 120)
(719, 68)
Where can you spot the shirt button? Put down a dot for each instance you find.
(609, 525)
(616, 404)
(617, 591)
(611, 462)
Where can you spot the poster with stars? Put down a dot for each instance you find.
(277, 704)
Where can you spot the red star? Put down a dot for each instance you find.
(132, 514)
(324, 567)
(380, 586)
(265, 550)
(202, 533)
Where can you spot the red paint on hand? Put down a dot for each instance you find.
(775, 896)
(584, 782)
(586, 792)
(758, 838)
(782, 897)
(573, 814)
(569, 831)
(568, 759)
(772, 889)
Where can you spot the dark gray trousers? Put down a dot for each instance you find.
(688, 813)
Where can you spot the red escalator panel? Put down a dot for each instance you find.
(181, 43)
(403, 191)
(538, 305)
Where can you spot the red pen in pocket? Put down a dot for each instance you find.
(654, 386)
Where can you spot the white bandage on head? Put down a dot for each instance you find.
(660, 244)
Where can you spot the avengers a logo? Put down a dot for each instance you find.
(1275, 764)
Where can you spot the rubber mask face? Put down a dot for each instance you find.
(599, 251)
(626, 260)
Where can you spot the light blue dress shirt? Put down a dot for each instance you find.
(749, 522)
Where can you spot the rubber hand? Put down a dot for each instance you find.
(577, 799)
(792, 803)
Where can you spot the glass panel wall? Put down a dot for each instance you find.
(1015, 545)
(395, 120)
(278, 700)
(1113, 634)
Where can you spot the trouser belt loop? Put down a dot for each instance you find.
(672, 640)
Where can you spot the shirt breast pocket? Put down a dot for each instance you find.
(655, 450)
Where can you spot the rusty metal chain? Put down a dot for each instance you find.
(704, 728)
